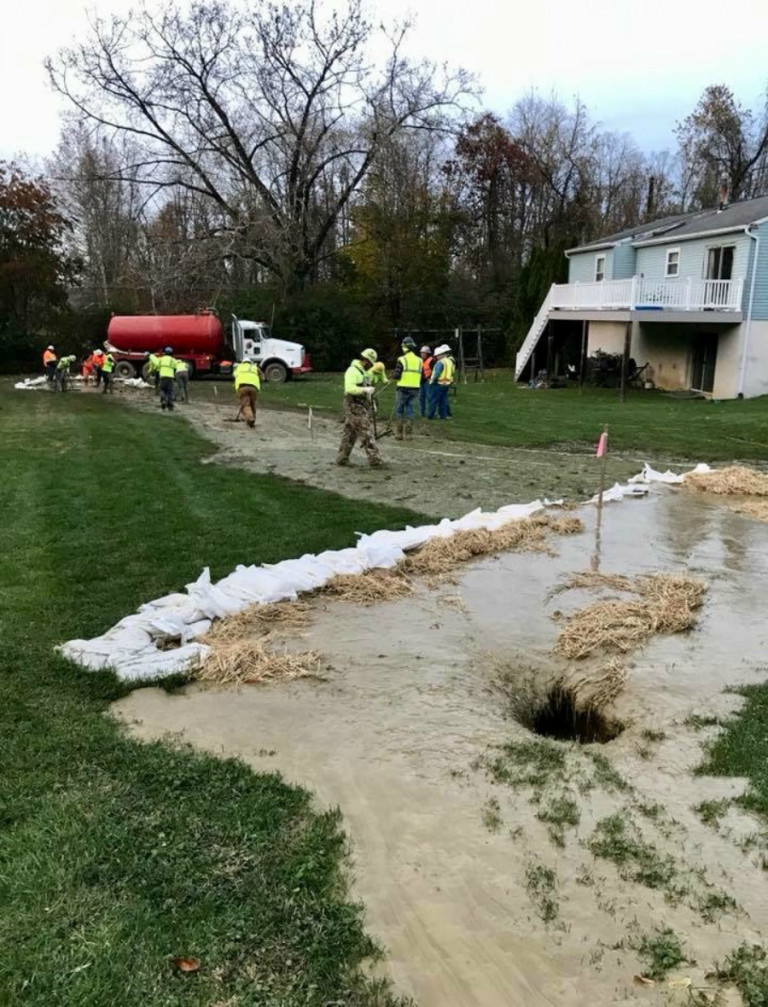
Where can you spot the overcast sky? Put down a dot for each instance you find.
(639, 65)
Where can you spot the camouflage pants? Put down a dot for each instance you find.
(357, 427)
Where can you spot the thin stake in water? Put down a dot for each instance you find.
(602, 454)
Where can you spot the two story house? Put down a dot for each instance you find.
(690, 291)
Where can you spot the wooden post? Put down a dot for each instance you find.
(625, 362)
(550, 343)
(583, 364)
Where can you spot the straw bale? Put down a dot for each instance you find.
(597, 687)
(734, 480)
(589, 580)
(667, 603)
(256, 661)
(369, 588)
(259, 619)
(441, 555)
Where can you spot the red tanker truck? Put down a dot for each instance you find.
(199, 340)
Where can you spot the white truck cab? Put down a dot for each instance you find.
(278, 358)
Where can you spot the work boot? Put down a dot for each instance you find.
(251, 423)
(375, 463)
(409, 430)
(399, 430)
(341, 460)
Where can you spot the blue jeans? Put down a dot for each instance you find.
(423, 396)
(404, 402)
(438, 401)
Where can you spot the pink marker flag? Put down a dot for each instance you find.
(602, 444)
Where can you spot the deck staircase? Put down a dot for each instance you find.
(535, 333)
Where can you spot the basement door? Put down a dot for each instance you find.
(703, 362)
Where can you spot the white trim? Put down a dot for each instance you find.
(734, 229)
(586, 249)
(750, 305)
(676, 274)
(604, 257)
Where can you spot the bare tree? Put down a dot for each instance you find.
(253, 107)
(720, 141)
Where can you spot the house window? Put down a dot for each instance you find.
(600, 268)
(673, 262)
(719, 262)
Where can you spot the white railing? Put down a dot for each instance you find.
(534, 333)
(676, 295)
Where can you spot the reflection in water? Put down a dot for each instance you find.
(594, 562)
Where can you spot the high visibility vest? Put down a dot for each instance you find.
(48, 357)
(426, 368)
(247, 374)
(154, 363)
(411, 373)
(167, 366)
(63, 364)
(355, 378)
(108, 364)
(445, 377)
(181, 367)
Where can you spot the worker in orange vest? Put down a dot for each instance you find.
(98, 362)
(87, 368)
(49, 362)
(427, 363)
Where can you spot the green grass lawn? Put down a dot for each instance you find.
(742, 750)
(116, 856)
(498, 411)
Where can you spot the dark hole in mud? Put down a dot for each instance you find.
(557, 716)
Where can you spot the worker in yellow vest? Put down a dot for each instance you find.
(153, 370)
(107, 376)
(407, 374)
(358, 410)
(247, 383)
(441, 380)
(166, 368)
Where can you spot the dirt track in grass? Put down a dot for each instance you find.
(434, 476)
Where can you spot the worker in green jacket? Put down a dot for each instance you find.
(358, 405)
(153, 370)
(61, 374)
(107, 373)
(166, 368)
(182, 381)
(247, 384)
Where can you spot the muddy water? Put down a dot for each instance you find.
(392, 736)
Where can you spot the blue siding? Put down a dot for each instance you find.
(760, 303)
(581, 267)
(623, 261)
(651, 261)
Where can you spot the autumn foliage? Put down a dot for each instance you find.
(36, 269)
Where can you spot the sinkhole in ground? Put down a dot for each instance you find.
(556, 715)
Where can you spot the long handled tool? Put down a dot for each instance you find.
(237, 418)
(385, 433)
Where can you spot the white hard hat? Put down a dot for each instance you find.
(50, 347)
(370, 355)
(439, 350)
(425, 349)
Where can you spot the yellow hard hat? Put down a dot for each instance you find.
(378, 367)
(371, 355)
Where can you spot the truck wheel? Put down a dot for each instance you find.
(147, 374)
(125, 369)
(275, 372)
